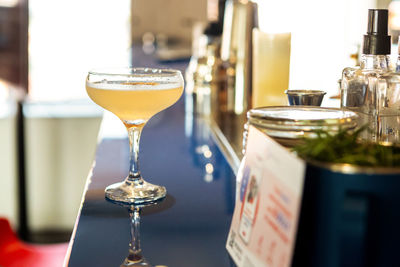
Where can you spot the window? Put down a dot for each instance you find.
(67, 38)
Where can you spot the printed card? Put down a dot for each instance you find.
(264, 223)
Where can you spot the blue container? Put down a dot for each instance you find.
(350, 216)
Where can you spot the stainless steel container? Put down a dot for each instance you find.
(288, 125)
(305, 97)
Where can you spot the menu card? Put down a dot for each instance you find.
(268, 198)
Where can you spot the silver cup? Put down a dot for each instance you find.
(305, 97)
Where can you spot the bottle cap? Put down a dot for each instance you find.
(377, 41)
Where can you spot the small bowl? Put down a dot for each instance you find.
(305, 97)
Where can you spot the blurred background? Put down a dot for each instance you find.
(48, 126)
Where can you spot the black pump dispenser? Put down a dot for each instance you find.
(377, 41)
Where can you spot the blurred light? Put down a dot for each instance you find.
(210, 60)
(208, 77)
(207, 154)
(4, 90)
(209, 168)
(208, 178)
(394, 15)
(8, 3)
(205, 148)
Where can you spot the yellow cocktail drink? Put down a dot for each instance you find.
(134, 101)
(134, 95)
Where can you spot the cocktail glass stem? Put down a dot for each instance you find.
(134, 139)
(134, 189)
(135, 256)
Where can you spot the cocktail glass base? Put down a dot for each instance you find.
(135, 192)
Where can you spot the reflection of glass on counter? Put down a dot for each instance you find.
(135, 254)
(271, 62)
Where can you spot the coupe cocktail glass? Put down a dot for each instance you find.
(134, 95)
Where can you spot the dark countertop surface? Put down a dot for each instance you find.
(188, 228)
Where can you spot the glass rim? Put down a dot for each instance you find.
(134, 71)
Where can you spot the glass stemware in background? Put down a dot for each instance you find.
(134, 95)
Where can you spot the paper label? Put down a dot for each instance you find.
(265, 218)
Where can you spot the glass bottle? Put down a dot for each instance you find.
(358, 85)
(388, 108)
(397, 68)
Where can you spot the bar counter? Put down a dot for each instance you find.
(188, 228)
(195, 157)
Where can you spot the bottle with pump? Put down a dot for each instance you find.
(358, 85)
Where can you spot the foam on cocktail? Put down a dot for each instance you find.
(129, 85)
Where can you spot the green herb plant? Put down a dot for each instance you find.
(345, 147)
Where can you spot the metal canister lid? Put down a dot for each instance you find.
(288, 124)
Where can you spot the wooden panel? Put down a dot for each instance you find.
(13, 43)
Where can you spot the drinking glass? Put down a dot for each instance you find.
(271, 67)
(134, 95)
